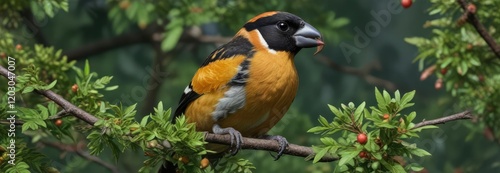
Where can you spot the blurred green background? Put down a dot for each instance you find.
(386, 56)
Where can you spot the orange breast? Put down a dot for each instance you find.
(270, 90)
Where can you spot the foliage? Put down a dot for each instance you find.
(386, 127)
(176, 15)
(40, 67)
(464, 62)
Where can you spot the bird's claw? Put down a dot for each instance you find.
(282, 142)
(236, 138)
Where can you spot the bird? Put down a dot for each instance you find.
(245, 86)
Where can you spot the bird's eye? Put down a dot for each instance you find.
(282, 26)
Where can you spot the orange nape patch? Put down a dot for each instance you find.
(266, 14)
(216, 75)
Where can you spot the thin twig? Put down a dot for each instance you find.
(268, 145)
(474, 21)
(462, 115)
(78, 149)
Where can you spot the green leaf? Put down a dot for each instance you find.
(328, 141)
(335, 110)
(379, 97)
(172, 36)
(347, 155)
(111, 88)
(52, 108)
(397, 96)
(20, 167)
(446, 62)
(393, 168)
(47, 7)
(417, 41)
(86, 69)
(51, 85)
(407, 97)
(28, 89)
(318, 129)
(411, 116)
(359, 109)
(415, 167)
(425, 127)
(144, 121)
(320, 154)
(419, 152)
(322, 120)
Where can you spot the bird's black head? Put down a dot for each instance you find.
(284, 31)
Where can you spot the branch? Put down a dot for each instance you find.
(66, 105)
(150, 34)
(474, 21)
(126, 39)
(78, 149)
(462, 115)
(248, 143)
(268, 145)
(363, 73)
(60, 114)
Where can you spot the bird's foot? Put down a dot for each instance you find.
(236, 138)
(283, 143)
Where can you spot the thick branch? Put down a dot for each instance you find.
(474, 21)
(363, 73)
(78, 149)
(268, 145)
(462, 115)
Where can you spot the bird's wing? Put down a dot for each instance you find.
(216, 72)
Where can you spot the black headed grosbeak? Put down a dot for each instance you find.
(245, 86)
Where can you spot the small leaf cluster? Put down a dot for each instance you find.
(154, 134)
(12, 18)
(234, 165)
(175, 16)
(26, 159)
(465, 64)
(87, 95)
(387, 130)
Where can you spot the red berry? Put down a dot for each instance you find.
(406, 3)
(471, 8)
(363, 154)
(444, 71)
(19, 47)
(74, 88)
(362, 139)
(58, 122)
(386, 116)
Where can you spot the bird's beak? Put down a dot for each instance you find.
(307, 37)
